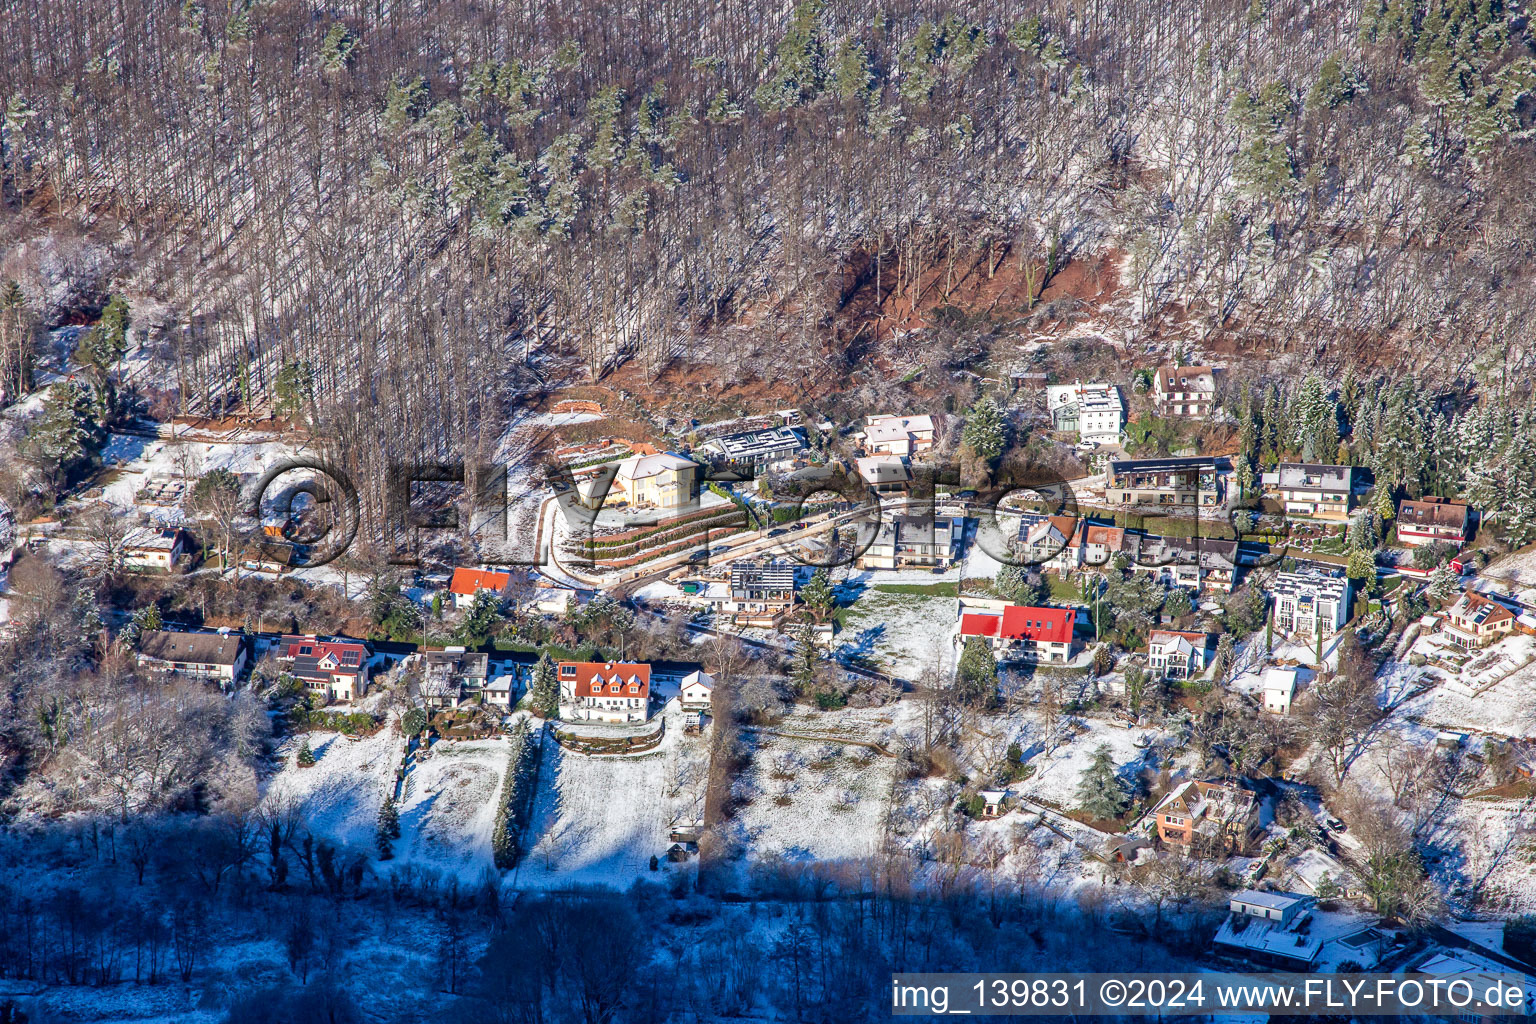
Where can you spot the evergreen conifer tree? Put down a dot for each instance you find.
(985, 434)
(544, 691)
(387, 828)
(817, 595)
(807, 657)
(1099, 792)
(305, 757)
(976, 675)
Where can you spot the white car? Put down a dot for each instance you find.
(1087, 446)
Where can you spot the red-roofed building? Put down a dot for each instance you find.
(466, 583)
(1476, 621)
(614, 691)
(1023, 633)
(335, 669)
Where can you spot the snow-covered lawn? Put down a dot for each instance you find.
(339, 795)
(599, 820)
(898, 632)
(1056, 776)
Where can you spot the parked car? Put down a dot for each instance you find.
(781, 531)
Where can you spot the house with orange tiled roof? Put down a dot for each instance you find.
(466, 583)
(613, 691)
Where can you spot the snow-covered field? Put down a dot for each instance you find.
(599, 820)
(446, 814)
(903, 634)
(814, 789)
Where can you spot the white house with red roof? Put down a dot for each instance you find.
(613, 691)
(1022, 632)
(466, 583)
(1476, 621)
(336, 669)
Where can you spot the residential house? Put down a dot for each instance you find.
(695, 695)
(1312, 489)
(921, 541)
(1199, 481)
(466, 583)
(1476, 621)
(885, 474)
(1216, 815)
(1432, 520)
(760, 593)
(1279, 689)
(1310, 602)
(646, 479)
(151, 548)
(1271, 929)
(453, 675)
(604, 691)
(1185, 391)
(898, 435)
(336, 669)
(501, 689)
(1049, 542)
(268, 556)
(1095, 412)
(1174, 654)
(220, 657)
(660, 480)
(759, 449)
(1196, 563)
(1023, 633)
(1099, 544)
(697, 690)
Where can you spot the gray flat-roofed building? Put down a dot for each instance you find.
(756, 447)
(1196, 482)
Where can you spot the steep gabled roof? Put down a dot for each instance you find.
(597, 679)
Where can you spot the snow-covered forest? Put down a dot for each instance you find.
(420, 202)
(460, 232)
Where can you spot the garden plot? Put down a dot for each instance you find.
(1491, 853)
(598, 820)
(339, 795)
(450, 804)
(1056, 776)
